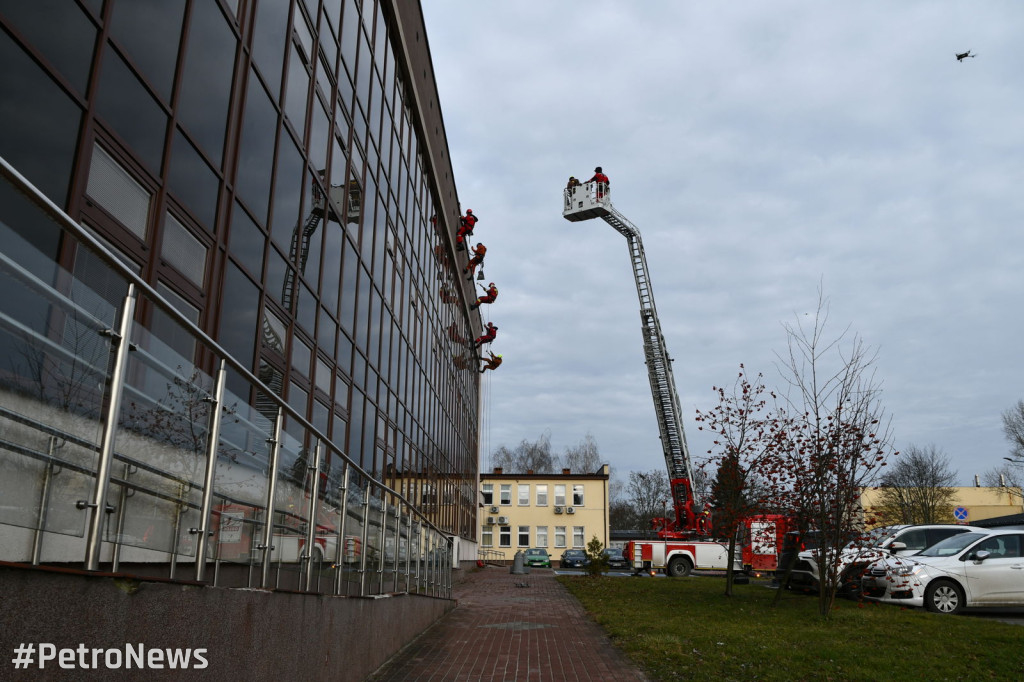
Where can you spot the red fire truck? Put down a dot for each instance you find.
(686, 541)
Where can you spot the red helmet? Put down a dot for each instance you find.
(469, 211)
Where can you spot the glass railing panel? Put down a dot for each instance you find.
(291, 513)
(375, 556)
(160, 457)
(241, 481)
(350, 570)
(54, 356)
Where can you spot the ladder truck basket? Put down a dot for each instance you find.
(586, 201)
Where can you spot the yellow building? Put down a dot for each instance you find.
(971, 503)
(553, 511)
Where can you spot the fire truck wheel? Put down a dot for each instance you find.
(679, 567)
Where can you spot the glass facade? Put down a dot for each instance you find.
(263, 165)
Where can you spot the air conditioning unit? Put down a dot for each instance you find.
(558, 510)
(570, 510)
(502, 520)
(494, 510)
(490, 520)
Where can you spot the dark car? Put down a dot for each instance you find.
(574, 558)
(538, 556)
(793, 543)
(615, 558)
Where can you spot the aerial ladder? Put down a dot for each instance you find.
(593, 200)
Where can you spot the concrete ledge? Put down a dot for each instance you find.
(248, 634)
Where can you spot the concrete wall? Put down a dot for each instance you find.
(247, 634)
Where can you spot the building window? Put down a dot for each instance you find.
(487, 537)
(183, 251)
(487, 493)
(524, 494)
(542, 494)
(577, 536)
(505, 536)
(577, 495)
(506, 494)
(542, 536)
(560, 495)
(524, 536)
(559, 536)
(114, 188)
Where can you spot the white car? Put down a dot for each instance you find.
(972, 569)
(875, 544)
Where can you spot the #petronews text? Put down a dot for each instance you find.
(31, 655)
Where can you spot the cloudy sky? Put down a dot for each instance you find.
(764, 150)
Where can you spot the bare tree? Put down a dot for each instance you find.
(532, 456)
(838, 435)
(584, 457)
(917, 488)
(648, 493)
(1008, 476)
(1013, 427)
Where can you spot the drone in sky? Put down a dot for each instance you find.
(964, 55)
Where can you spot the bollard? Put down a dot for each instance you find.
(519, 566)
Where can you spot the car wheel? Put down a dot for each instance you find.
(849, 585)
(944, 596)
(678, 567)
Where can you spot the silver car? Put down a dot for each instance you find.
(967, 570)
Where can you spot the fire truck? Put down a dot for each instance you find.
(685, 541)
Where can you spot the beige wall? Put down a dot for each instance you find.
(538, 515)
(980, 503)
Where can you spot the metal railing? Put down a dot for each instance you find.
(122, 452)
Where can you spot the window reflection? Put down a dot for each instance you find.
(192, 180)
(67, 44)
(256, 150)
(239, 304)
(46, 119)
(206, 82)
(149, 31)
(288, 191)
(247, 242)
(268, 43)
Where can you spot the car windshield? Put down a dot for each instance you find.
(875, 537)
(537, 552)
(951, 545)
(574, 552)
(612, 552)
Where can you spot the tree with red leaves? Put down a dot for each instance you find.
(748, 453)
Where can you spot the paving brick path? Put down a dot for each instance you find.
(511, 628)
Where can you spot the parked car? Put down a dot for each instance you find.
(614, 557)
(538, 556)
(793, 543)
(859, 553)
(982, 568)
(574, 558)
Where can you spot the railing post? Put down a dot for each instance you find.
(98, 503)
(314, 491)
(364, 548)
(339, 551)
(408, 551)
(268, 528)
(398, 547)
(213, 436)
(383, 541)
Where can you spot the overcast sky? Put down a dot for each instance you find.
(764, 150)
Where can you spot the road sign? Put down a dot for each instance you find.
(960, 513)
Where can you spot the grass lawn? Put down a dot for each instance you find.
(686, 629)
